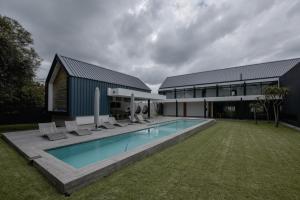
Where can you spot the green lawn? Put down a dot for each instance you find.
(231, 160)
(18, 127)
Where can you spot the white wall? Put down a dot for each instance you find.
(170, 109)
(194, 109)
(50, 87)
(180, 109)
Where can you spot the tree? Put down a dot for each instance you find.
(277, 96)
(255, 108)
(33, 95)
(18, 62)
(265, 103)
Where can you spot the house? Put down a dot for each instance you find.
(70, 88)
(226, 93)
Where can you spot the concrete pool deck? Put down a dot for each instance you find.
(67, 178)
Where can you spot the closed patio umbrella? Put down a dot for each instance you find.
(96, 108)
(132, 108)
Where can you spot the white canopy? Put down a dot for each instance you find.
(121, 92)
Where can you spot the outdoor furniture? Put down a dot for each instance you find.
(140, 118)
(113, 121)
(105, 124)
(133, 120)
(72, 127)
(50, 131)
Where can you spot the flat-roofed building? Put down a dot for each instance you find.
(226, 93)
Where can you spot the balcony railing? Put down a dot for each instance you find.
(219, 91)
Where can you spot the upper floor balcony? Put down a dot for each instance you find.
(218, 90)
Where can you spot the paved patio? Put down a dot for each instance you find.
(65, 177)
(30, 142)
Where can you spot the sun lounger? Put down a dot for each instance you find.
(140, 118)
(113, 121)
(105, 124)
(134, 120)
(72, 127)
(50, 131)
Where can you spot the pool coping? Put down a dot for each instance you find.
(150, 125)
(31, 152)
(68, 179)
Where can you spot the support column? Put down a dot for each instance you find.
(176, 108)
(212, 109)
(208, 109)
(204, 105)
(149, 108)
(241, 109)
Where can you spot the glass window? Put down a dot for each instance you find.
(237, 90)
(199, 92)
(179, 94)
(211, 92)
(127, 100)
(224, 91)
(253, 89)
(189, 93)
(258, 109)
(169, 94)
(229, 109)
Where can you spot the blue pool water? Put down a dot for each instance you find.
(83, 154)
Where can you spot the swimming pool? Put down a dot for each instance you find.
(83, 154)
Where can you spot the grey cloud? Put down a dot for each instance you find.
(294, 11)
(77, 29)
(178, 46)
(189, 36)
(131, 31)
(154, 75)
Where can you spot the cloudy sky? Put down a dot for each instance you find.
(160, 38)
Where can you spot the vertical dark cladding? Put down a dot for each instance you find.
(291, 108)
(81, 92)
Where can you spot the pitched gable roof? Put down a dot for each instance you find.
(82, 69)
(248, 72)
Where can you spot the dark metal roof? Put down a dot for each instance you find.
(89, 71)
(247, 72)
